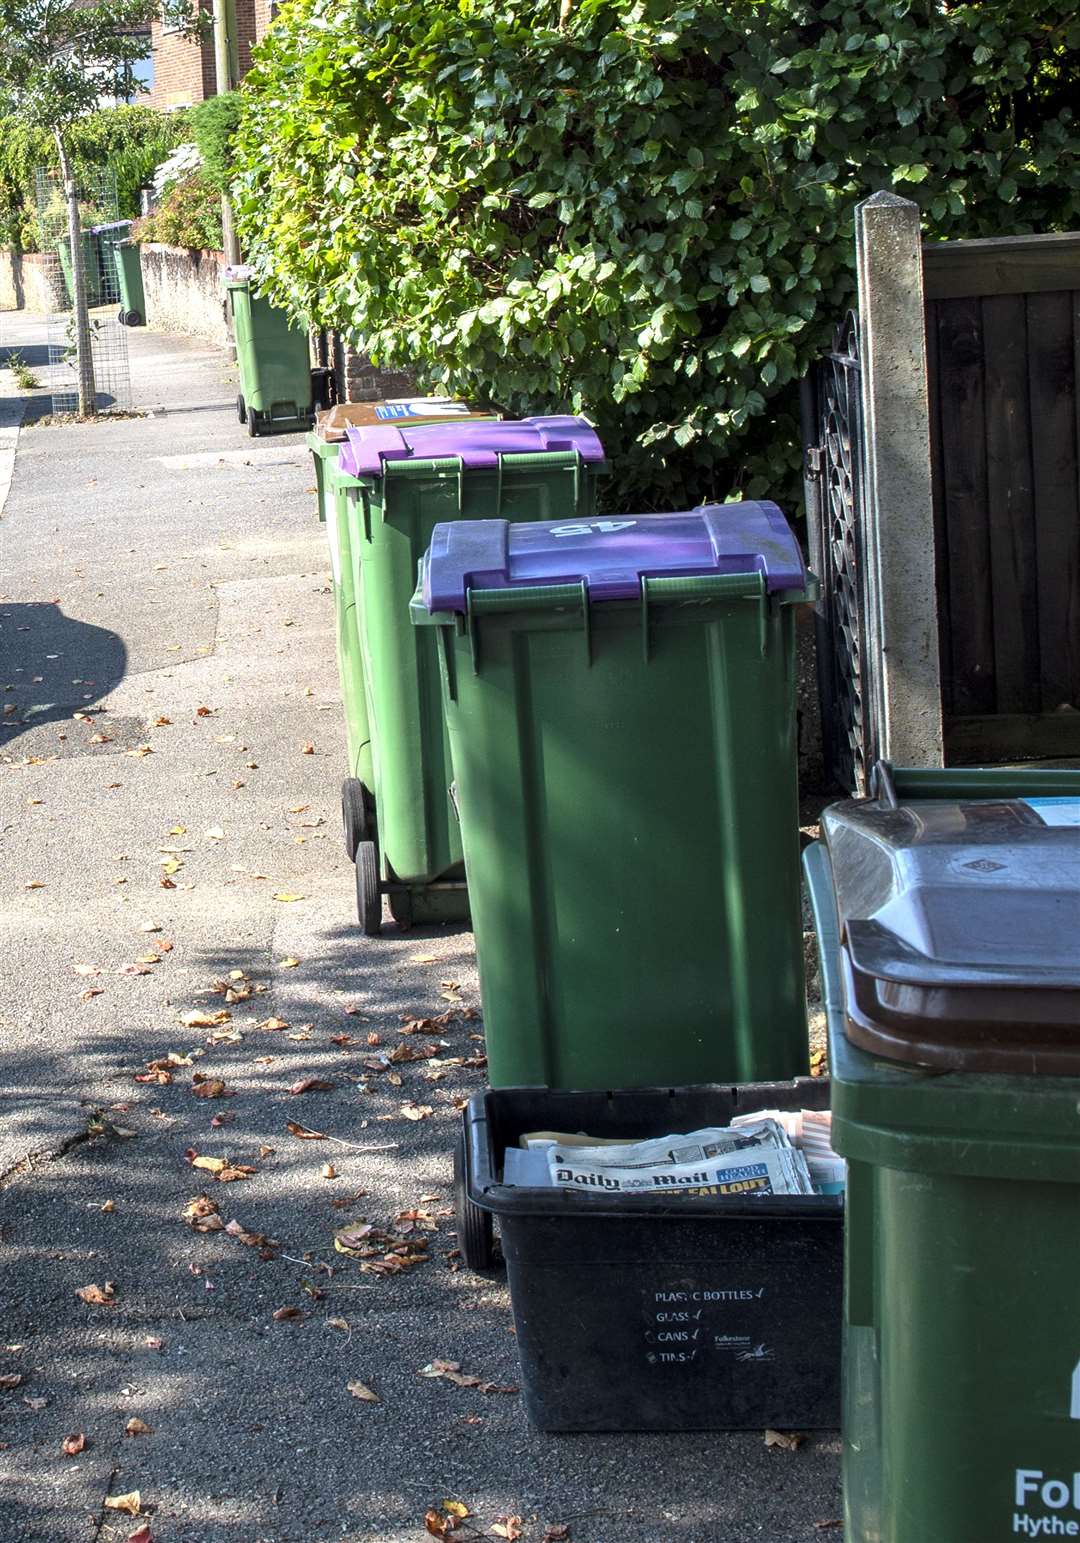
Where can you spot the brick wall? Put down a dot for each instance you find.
(359, 381)
(184, 71)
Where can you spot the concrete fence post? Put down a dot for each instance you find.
(899, 548)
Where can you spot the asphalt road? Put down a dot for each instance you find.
(166, 656)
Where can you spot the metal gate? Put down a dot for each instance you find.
(836, 525)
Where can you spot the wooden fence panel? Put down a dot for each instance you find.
(1003, 328)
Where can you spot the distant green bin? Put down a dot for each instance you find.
(399, 483)
(274, 359)
(91, 268)
(948, 913)
(620, 696)
(359, 786)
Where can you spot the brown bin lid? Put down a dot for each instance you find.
(960, 931)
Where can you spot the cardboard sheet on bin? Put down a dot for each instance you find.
(331, 424)
(960, 931)
(611, 555)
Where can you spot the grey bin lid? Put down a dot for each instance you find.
(960, 930)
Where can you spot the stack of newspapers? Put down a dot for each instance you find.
(772, 1152)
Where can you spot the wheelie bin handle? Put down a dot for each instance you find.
(892, 785)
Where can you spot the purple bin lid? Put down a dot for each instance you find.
(611, 555)
(475, 445)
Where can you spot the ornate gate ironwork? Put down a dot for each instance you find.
(833, 439)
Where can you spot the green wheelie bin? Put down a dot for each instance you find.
(399, 483)
(948, 917)
(324, 442)
(129, 283)
(357, 790)
(104, 240)
(620, 697)
(274, 359)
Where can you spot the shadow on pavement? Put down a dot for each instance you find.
(257, 1437)
(33, 355)
(52, 665)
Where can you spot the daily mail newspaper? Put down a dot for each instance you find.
(758, 1158)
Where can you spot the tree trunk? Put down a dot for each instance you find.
(83, 347)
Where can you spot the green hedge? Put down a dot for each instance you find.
(214, 124)
(646, 212)
(131, 140)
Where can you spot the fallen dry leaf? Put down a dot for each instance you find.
(237, 1230)
(558, 1532)
(307, 748)
(457, 1508)
(361, 1391)
(34, 1403)
(788, 1441)
(328, 1171)
(440, 1524)
(98, 1296)
(209, 1164)
(109, 1206)
(351, 1238)
(10, 1379)
(233, 1172)
(131, 1502)
(208, 1087)
(73, 1445)
(413, 1111)
(141, 1534)
(288, 964)
(451, 1372)
(201, 1020)
(273, 1024)
(507, 1527)
(302, 1133)
(137, 1427)
(285, 895)
(34, 884)
(312, 1085)
(283, 1314)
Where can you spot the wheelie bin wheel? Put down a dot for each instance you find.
(368, 891)
(241, 408)
(252, 418)
(476, 1235)
(354, 814)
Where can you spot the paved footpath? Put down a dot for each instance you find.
(170, 756)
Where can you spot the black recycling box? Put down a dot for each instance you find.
(663, 1312)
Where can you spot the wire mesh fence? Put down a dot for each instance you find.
(101, 229)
